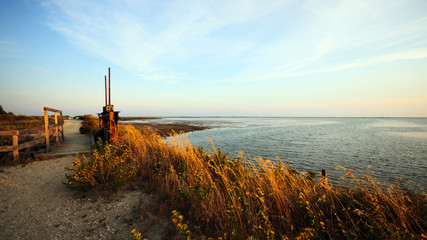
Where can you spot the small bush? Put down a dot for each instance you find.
(108, 165)
(2, 111)
(90, 125)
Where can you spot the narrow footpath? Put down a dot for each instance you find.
(34, 204)
(74, 141)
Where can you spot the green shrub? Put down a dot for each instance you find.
(2, 111)
(108, 165)
(90, 125)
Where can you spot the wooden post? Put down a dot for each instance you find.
(62, 126)
(324, 177)
(15, 147)
(46, 129)
(56, 127)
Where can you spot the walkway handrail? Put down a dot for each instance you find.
(47, 129)
(46, 125)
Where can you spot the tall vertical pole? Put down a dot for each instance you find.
(324, 177)
(62, 125)
(109, 87)
(56, 127)
(15, 146)
(105, 90)
(46, 130)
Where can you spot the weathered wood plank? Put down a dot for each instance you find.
(30, 130)
(6, 148)
(31, 143)
(39, 133)
(9, 133)
(46, 129)
(56, 128)
(15, 148)
(51, 109)
(53, 126)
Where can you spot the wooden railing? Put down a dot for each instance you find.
(55, 126)
(47, 129)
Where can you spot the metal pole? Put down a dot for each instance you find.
(105, 90)
(109, 87)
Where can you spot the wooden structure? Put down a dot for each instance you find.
(48, 129)
(108, 118)
(324, 177)
(52, 127)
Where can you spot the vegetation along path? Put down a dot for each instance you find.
(34, 204)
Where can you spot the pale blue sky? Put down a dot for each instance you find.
(205, 58)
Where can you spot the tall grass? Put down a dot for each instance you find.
(232, 198)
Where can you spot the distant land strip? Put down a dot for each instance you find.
(167, 129)
(138, 118)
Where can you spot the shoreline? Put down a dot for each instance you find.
(137, 118)
(166, 130)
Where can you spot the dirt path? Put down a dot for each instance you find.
(34, 204)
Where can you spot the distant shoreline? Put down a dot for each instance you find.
(138, 118)
(163, 117)
(166, 130)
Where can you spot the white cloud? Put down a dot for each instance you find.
(153, 38)
(336, 35)
(252, 40)
(405, 55)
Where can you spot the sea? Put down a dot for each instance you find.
(388, 149)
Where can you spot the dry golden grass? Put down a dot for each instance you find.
(90, 125)
(243, 198)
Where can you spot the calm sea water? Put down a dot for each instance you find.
(390, 147)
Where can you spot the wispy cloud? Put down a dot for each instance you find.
(342, 35)
(244, 40)
(157, 38)
(406, 55)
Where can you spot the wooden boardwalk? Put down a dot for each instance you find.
(74, 141)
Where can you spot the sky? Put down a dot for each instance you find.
(302, 58)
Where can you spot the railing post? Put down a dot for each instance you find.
(324, 177)
(15, 147)
(56, 127)
(46, 129)
(62, 125)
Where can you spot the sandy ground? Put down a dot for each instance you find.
(34, 204)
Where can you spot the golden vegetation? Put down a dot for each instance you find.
(90, 124)
(108, 165)
(240, 198)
